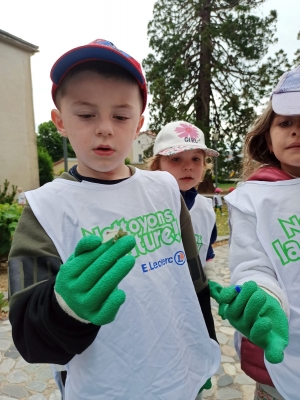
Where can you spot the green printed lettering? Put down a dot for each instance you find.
(95, 231)
(288, 251)
(290, 227)
(280, 252)
(151, 231)
(168, 215)
(198, 241)
(292, 250)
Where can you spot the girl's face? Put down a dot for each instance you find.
(284, 142)
(186, 167)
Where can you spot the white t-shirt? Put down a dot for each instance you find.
(265, 248)
(158, 345)
(217, 200)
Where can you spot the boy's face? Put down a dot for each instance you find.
(101, 117)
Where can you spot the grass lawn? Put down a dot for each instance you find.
(222, 221)
(226, 186)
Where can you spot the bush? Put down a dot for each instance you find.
(9, 217)
(45, 166)
(4, 196)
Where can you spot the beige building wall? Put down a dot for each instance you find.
(59, 166)
(18, 150)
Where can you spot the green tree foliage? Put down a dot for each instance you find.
(9, 216)
(49, 138)
(208, 66)
(5, 197)
(45, 166)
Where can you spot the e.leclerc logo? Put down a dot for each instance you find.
(179, 259)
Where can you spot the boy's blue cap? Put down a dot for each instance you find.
(286, 95)
(102, 50)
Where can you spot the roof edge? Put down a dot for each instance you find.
(14, 40)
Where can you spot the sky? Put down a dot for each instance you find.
(56, 26)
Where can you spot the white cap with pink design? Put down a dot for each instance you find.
(179, 136)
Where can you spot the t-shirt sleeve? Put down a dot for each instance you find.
(42, 331)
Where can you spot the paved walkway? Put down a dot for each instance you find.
(20, 380)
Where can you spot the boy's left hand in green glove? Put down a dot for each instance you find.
(255, 314)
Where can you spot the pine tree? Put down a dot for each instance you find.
(208, 66)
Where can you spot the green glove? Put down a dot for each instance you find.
(215, 291)
(207, 385)
(257, 315)
(86, 284)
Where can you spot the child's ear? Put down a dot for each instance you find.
(139, 127)
(58, 122)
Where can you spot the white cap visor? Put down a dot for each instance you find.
(286, 103)
(180, 148)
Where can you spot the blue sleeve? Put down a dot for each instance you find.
(213, 238)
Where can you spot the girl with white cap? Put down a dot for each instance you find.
(180, 149)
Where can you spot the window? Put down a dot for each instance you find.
(140, 158)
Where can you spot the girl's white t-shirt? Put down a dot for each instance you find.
(275, 208)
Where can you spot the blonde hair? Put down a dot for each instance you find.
(153, 164)
(256, 150)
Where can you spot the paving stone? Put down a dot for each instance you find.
(18, 377)
(231, 342)
(7, 398)
(14, 391)
(229, 369)
(32, 368)
(228, 394)
(248, 391)
(225, 380)
(226, 323)
(55, 395)
(6, 365)
(12, 354)
(228, 350)
(37, 396)
(227, 359)
(4, 344)
(37, 386)
(244, 379)
(222, 338)
(44, 373)
(5, 328)
(238, 368)
(220, 370)
(21, 363)
(227, 330)
(213, 302)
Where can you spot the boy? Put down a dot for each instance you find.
(155, 345)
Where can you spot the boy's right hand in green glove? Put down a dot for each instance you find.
(86, 285)
(255, 314)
